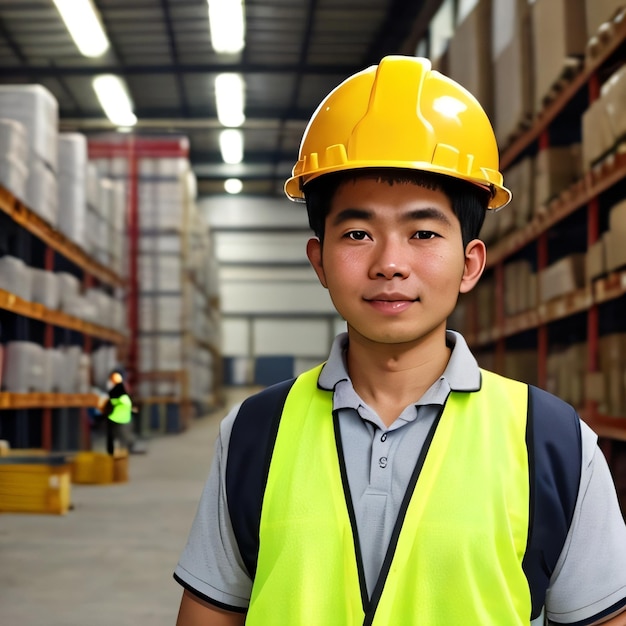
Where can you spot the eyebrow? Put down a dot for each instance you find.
(410, 216)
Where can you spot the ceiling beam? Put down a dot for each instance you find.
(47, 71)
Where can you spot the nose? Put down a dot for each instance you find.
(390, 261)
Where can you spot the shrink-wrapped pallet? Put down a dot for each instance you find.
(13, 157)
(36, 108)
(45, 288)
(23, 369)
(16, 277)
(42, 192)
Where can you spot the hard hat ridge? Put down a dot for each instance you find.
(400, 114)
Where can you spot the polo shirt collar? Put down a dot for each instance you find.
(461, 374)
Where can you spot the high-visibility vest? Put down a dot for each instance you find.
(458, 554)
(121, 409)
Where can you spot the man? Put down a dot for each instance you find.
(398, 483)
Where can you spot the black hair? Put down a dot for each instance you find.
(468, 201)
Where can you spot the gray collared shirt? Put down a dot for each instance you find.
(589, 577)
(380, 459)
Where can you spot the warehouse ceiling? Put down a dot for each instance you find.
(295, 52)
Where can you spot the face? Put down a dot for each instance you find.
(393, 260)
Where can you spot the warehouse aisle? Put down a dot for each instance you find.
(110, 559)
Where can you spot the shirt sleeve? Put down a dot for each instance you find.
(589, 580)
(210, 565)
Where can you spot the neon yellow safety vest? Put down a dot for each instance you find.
(122, 408)
(458, 554)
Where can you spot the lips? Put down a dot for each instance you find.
(391, 297)
(391, 303)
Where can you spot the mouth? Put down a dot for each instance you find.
(391, 303)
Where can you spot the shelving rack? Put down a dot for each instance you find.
(582, 207)
(172, 410)
(57, 413)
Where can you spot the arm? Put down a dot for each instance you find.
(195, 612)
(618, 620)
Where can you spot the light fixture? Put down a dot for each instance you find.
(227, 25)
(229, 99)
(231, 146)
(114, 99)
(84, 26)
(233, 186)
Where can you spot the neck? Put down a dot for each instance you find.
(389, 377)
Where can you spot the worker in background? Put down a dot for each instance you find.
(399, 483)
(118, 411)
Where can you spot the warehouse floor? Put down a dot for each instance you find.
(110, 559)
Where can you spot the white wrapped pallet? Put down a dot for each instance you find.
(160, 313)
(41, 191)
(93, 187)
(72, 208)
(69, 382)
(13, 176)
(69, 288)
(36, 108)
(16, 277)
(103, 361)
(23, 368)
(46, 288)
(72, 149)
(160, 272)
(13, 139)
(56, 359)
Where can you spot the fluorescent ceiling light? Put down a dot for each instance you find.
(233, 185)
(227, 25)
(84, 26)
(229, 98)
(231, 146)
(114, 99)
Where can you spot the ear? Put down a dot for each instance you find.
(314, 252)
(475, 259)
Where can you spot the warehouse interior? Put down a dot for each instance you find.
(158, 240)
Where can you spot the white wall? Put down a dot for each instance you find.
(271, 301)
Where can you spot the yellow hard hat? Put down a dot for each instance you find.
(401, 114)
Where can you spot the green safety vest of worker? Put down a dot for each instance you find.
(458, 556)
(121, 409)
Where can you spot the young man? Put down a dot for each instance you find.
(398, 483)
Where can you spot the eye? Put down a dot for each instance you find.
(425, 234)
(357, 235)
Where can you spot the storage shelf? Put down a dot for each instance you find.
(37, 226)
(40, 400)
(608, 173)
(34, 310)
(546, 116)
(602, 290)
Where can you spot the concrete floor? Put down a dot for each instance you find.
(110, 559)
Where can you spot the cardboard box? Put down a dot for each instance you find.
(513, 81)
(614, 95)
(562, 277)
(597, 134)
(469, 55)
(617, 217)
(555, 170)
(615, 246)
(520, 180)
(559, 31)
(612, 357)
(595, 260)
(598, 11)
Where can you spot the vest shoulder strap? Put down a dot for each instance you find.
(554, 443)
(247, 466)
